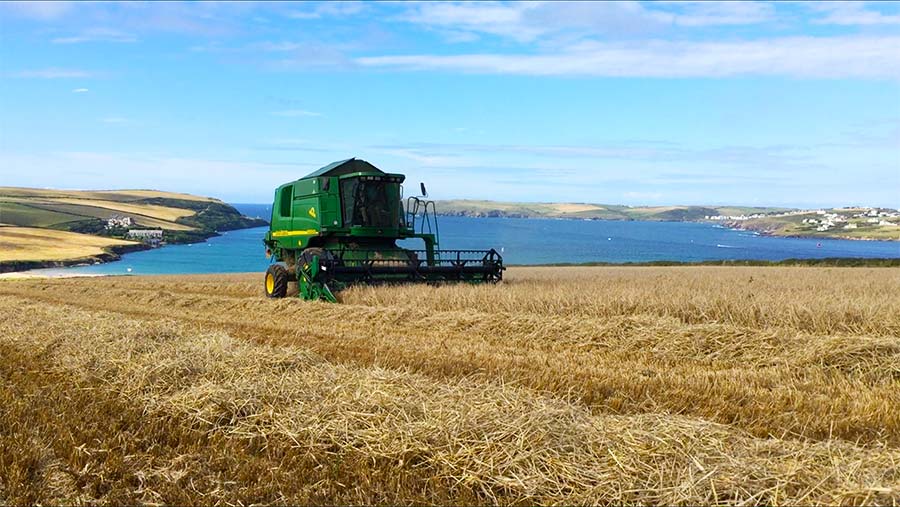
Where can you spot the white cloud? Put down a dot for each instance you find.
(44, 11)
(530, 21)
(52, 73)
(96, 35)
(802, 57)
(851, 13)
(295, 113)
(458, 36)
(705, 13)
(494, 18)
(330, 9)
(80, 90)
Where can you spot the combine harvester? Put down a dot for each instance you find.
(339, 226)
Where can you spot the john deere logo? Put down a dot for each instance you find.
(312, 212)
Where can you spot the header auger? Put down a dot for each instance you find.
(339, 226)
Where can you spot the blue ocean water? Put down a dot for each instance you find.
(520, 241)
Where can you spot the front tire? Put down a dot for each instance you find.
(276, 281)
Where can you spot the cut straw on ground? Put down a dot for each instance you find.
(470, 438)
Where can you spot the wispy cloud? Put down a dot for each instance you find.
(116, 120)
(851, 13)
(530, 21)
(43, 11)
(705, 13)
(80, 90)
(299, 145)
(131, 19)
(507, 20)
(643, 196)
(300, 56)
(639, 172)
(574, 156)
(802, 57)
(52, 73)
(329, 9)
(295, 113)
(278, 47)
(246, 179)
(96, 35)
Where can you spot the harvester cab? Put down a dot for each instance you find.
(340, 225)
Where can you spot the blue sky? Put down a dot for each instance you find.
(793, 104)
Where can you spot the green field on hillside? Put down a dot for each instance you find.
(14, 213)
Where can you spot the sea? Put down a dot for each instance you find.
(521, 241)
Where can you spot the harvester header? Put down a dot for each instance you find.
(340, 225)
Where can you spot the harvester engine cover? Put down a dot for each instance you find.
(340, 225)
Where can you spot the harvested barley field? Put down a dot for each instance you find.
(32, 243)
(601, 385)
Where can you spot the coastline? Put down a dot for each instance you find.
(110, 254)
(762, 231)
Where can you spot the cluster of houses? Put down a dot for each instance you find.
(152, 237)
(872, 216)
(828, 221)
(825, 220)
(735, 217)
(118, 222)
(730, 218)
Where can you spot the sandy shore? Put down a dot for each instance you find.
(24, 275)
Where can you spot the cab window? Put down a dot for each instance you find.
(286, 200)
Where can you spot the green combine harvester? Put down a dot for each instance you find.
(339, 226)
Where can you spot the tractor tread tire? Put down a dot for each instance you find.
(280, 275)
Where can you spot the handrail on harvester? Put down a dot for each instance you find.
(428, 223)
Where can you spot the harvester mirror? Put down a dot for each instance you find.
(424, 192)
(326, 184)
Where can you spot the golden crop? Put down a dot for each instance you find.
(31, 243)
(683, 385)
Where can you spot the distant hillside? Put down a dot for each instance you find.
(473, 208)
(183, 218)
(845, 223)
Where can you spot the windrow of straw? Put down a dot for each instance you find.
(638, 353)
(470, 438)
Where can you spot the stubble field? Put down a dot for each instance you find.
(605, 385)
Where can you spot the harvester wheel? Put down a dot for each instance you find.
(307, 255)
(276, 281)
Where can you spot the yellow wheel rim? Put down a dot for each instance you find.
(270, 283)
